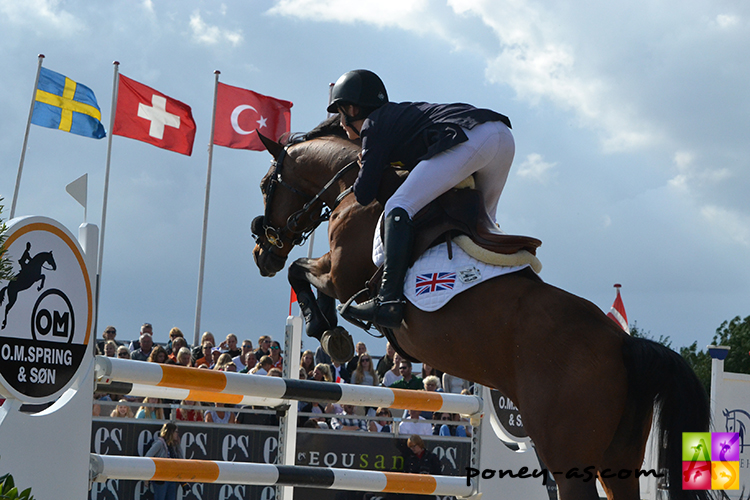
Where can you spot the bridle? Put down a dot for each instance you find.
(292, 231)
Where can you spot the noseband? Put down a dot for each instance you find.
(292, 231)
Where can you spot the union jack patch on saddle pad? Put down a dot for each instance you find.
(434, 282)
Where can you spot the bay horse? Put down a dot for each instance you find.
(30, 273)
(585, 389)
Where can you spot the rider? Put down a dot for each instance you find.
(26, 257)
(441, 145)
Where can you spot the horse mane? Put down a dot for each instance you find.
(328, 127)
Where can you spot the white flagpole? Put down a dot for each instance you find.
(113, 111)
(26, 138)
(201, 267)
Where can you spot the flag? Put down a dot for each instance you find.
(61, 103)
(240, 113)
(292, 300)
(147, 115)
(617, 312)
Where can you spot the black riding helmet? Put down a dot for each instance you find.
(360, 87)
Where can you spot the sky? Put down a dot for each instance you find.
(630, 124)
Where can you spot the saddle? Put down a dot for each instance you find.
(459, 211)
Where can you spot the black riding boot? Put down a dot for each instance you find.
(387, 308)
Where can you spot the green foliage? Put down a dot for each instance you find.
(6, 270)
(646, 334)
(9, 491)
(700, 362)
(736, 335)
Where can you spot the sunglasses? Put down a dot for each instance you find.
(123, 355)
(365, 359)
(400, 368)
(275, 347)
(109, 331)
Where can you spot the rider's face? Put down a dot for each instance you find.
(354, 127)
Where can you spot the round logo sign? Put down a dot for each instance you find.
(507, 414)
(46, 311)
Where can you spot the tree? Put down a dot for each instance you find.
(700, 362)
(6, 270)
(736, 335)
(646, 334)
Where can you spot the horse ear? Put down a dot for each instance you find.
(272, 146)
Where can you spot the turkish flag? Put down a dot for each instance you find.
(147, 115)
(241, 112)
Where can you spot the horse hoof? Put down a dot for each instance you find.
(338, 344)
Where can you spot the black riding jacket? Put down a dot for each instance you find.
(408, 132)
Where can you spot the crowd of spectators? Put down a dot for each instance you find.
(267, 360)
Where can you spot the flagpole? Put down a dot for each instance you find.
(113, 111)
(202, 265)
(26, 138)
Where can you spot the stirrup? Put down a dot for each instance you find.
(343, 310)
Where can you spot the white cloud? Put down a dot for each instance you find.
(211, 35)
(732, 224)
(726, 21)
(43, 15)
(534, 167)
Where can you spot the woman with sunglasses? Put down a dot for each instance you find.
(365, 373)
(276, 357)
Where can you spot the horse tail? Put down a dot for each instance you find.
(659, 376)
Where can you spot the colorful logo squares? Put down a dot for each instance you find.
(710, 461)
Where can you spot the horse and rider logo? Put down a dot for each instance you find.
(28, 275)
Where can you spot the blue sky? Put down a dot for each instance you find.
(630, 122)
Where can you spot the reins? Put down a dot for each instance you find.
(299, 236)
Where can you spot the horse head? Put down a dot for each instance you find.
(49, 259)
(295, 191)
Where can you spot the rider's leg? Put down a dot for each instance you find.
(387, 309)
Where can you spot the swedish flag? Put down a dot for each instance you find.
(64, 104)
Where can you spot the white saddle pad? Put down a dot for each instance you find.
(435, 279)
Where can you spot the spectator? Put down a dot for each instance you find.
(239, 360)
(230, 345)
(302, 373)
(166, 445)
(275, 372)
(386, 362)
(219, 415)
(321, 356)
(421, 461)
(416, 424)
(451, 430)
(392, 375)
(148, 410)
(340, 373)
(360, 349)
(216, 353)
(122, 410)
(194, 414)
(177, 344)
(312, 407)
(250, 362)
(365, 374)
(276, 351)
(174, 333)
(183, 357)
(454, 385)
(144, 351)
(307, 363)
(428, 370)
(347, 420)
(263, 366)
(264, 347)
(110, 348)
(408, 381)
(381, 425)
(108, 334)
(432, 384)
(197, 351)
(322, 372)
(123, 352)
(206, 358)
(158, 355)
(145, 328)
(222, 361)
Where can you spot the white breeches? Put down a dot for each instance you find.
(487, 154)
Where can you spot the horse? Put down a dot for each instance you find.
(30, 273)
(585, 389)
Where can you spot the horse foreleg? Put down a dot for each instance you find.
(41, 285)
(320, 312)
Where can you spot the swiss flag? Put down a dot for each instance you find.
(147, 115)
(240, 112)
(617, 312)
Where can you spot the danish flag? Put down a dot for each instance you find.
(435, 282)
(617, 312)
